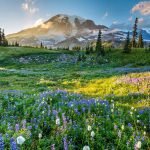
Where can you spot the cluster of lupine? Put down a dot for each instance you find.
(62, 120)
(66, 58)
(34, 59)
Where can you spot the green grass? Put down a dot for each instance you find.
(91, 80)
(26, 74)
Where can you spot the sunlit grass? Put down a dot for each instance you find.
(118, 86)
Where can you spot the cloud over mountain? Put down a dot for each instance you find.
(142, 7)
(29, 6)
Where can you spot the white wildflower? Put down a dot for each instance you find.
(58, 121)
(138, 145)
(40, 135)
(92, 134)
(89, 128)
(86, 148)
(20, 140)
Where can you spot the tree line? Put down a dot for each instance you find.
(134, 43)
(3, 40)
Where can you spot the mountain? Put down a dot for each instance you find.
(57, 29)
(68, 31)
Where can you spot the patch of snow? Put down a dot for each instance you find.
(109, 31)
(72, 19)
(147, 30)
(80, 39)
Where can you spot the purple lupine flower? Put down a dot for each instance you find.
(55, 113)
(65, 143)
(130, 125)
(83, 109)
(128, 143)
(9, 126)
(17, 127)
(64, 121)
(115, 126)
(13, 145)
(34, 120)
(7, 135)
(48, 111)
(29, 127)
(24, 124)
(2, 145)
(36, 126)
(141, 112)
(53, 147)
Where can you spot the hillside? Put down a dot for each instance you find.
(69, 31)
(56, 29)
(45, 92)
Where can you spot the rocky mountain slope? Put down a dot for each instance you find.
(56, 29)
(64, 30)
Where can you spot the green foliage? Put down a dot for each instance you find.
(76, 48)
(3, 40)
(127, 46)
(134, 37)
(99, 47)
(87, 50)
(114, 79)
(41, 45)
(140, 43)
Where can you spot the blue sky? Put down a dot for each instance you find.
(19, 14)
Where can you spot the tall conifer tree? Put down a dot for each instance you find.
(127, 46)
(99, 47)
(134, 37)
(140, 40)
(0, 37)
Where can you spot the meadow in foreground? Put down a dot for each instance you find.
(112, 110)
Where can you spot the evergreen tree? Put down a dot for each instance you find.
(87, 50)
(3, 40)
(127, 46)
(41, 46)
(140, 41)
(3, 37)
(0, 37)
(16, 44)
(91, 49)
(99, 48)
(134, 37)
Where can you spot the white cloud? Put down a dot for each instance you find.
(115, 22)
(29, 7)
(141, 20)
(130, 18)
(38, 22)
(142, 7)
(105, 15)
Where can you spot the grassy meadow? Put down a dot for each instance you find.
(57, 102)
